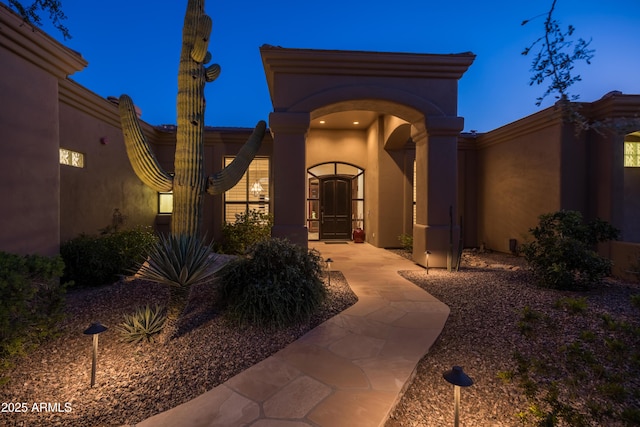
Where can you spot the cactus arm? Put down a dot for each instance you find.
(212, 72)
(229, 176)
(142, 159)
(201, 42)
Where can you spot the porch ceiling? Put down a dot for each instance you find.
(345, 120)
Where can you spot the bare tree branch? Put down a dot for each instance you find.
(31, 13)
(555, 58)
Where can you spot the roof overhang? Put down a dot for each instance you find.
(279, 60)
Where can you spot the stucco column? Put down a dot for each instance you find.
(288, 172)
(436, 189)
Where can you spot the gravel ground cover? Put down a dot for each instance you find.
(488, 300)
(134, 382)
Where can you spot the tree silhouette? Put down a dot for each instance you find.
(31, 13)
(556, 58)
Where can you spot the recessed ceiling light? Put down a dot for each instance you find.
(322, 122)
(356, 123)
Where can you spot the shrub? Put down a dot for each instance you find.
(278, 284)
(96, 260)
(31, 301)
(572, 305)
(563, 254)
(407, 241)
(143, 325)
(250, 228)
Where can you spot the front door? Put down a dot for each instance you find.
(335, 208)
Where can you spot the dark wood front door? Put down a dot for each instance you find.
(335, 208)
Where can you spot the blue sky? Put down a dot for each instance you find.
(133, 47)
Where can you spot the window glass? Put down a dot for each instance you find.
(165, 203)
(251, 192)
(71, 158)
(631, 154)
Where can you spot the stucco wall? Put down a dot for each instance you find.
(31, 65)
(631, 231)
(371, 195)
(626, 260)
(468, 191)
(385, 190)
(89, 124)
(519, 178)
(336, 146)
(29, 160)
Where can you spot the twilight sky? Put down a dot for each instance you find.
(133, 47)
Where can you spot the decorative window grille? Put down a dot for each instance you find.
(632, 154)
(71, 158)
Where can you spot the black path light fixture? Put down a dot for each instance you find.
(427, 253)
(329, 261)
(94, 329)
(458, 378)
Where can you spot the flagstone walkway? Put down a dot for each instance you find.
(349, 371)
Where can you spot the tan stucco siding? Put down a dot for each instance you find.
(29, 160)
(518, 179)
(89, 195)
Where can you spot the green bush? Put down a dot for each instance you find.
(278, 284)
(407, 241)
(97, 260)
(563, 254)
(143, 325)
(31, 301)
(250, 228)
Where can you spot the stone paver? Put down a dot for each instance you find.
(349, 371)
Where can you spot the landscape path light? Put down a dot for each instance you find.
(458, 378)
(427, 253)
(94, 329)
(329, 261)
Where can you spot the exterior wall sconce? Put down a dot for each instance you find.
(459, 379)
(329, 261)
(94, 329)
(427, 253)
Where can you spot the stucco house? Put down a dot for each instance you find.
(358, 140)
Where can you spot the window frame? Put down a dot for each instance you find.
(263, 205)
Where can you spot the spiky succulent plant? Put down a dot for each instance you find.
(145, 324)
(178, 261)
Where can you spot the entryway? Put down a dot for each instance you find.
(335, 201)
(335, 208)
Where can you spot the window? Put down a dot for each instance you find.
(165, 203)
(631, 154)
(71, 158)
(251, 192)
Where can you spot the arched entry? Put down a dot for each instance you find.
(420, 89)
(335, 200)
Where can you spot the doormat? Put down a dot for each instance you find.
(336, 243)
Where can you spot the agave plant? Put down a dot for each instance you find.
(144, 325)
(178, 261)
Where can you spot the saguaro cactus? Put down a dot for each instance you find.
(189, 184)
